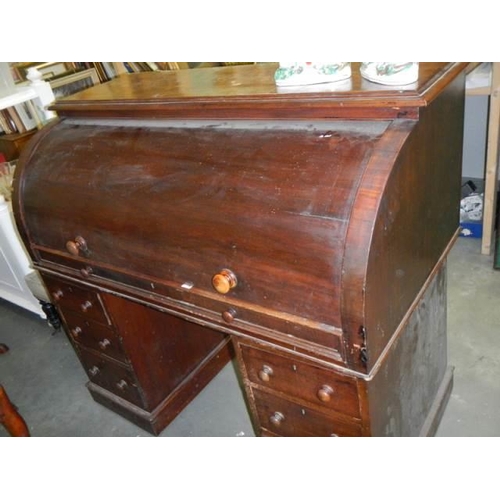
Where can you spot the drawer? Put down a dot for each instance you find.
(297, 379)
(94, 335)
(284, 418)
(111, 376)
(217, 307)
(68, 296)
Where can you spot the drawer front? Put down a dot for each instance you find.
(284, 418)
(111, 376)
(222, 309)
(297, 379)
(94, 335)
(68, 296)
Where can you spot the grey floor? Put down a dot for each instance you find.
(45, 381)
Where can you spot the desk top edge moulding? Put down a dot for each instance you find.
(251, 92)
(180, 219)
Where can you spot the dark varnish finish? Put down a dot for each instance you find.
(241, 92)
(173, 213)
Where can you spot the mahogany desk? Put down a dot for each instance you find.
(179, 218)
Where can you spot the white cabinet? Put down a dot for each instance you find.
(14, 264)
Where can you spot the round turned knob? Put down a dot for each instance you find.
(57, 295)
(86, 271)
(104, 343)
(276, 418)
(94, 371)
(325, 393)
(86, 305)
(75, 332)
(122, 385)
(224, 281)
(266, 373)
(77, 246)
(229, 315)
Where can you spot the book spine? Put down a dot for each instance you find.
(11, 126)
(16, 119)
(25, 115)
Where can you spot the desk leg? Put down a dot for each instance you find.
(10, 418)
(491, 174)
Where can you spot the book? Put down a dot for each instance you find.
(8, 122)
(3, 125)
(26, 116)
(109, 69)
(128, 67)
(16, 119)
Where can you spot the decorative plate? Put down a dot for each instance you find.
(310, 73)
(390, 73)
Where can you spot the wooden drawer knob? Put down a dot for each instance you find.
(79, 245)
(266, 373)
(94, 371)
(325, 393)
(86, 305)
(229, 315)
(86, 272)
(76, 332)
(57, 295)
(277, 418)
(122, 385)
(103, 344)
(224, 281)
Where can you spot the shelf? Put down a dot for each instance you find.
(18, 97)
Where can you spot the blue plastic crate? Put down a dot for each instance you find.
(471, 229)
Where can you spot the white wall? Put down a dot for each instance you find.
(475, 134)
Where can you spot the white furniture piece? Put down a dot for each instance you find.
(14, 264)
(37, 93)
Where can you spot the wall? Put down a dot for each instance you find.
(475, 134)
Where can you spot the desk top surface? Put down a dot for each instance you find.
(249, 91)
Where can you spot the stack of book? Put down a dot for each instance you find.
(109, 70)
(19, 118)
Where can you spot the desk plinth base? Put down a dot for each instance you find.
(156, 420)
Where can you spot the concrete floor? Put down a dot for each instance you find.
(46, 382)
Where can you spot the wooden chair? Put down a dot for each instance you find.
(9, 416)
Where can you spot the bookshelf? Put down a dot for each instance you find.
(23, 110)
(13, 140)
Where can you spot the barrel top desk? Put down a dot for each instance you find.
(183, 218)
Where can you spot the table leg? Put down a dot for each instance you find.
(10, 418)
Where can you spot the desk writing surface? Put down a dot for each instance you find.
(250, 91)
